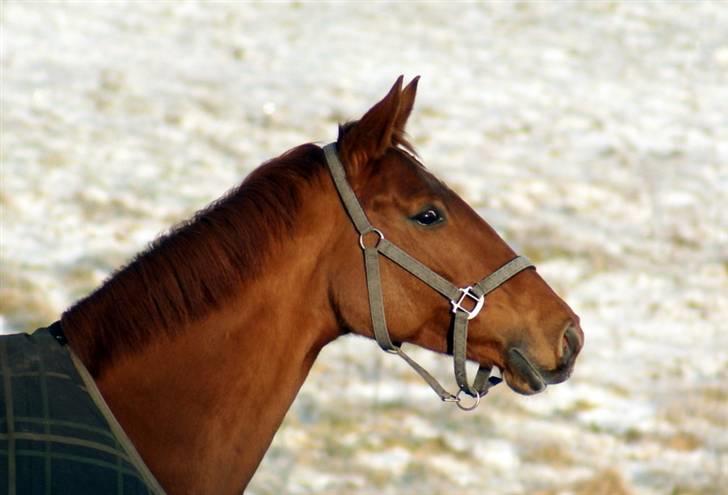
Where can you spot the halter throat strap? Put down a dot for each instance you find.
(373, 244)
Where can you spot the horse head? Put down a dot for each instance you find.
(525, 328)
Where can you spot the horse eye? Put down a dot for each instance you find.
(428, 216)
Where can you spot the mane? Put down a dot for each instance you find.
(196, 267)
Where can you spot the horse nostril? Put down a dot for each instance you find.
(570, 344)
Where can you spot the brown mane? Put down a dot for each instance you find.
(196, 266)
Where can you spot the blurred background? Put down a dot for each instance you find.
(592, 135)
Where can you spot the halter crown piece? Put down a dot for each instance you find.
(457, 296)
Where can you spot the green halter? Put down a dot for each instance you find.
(457, 296)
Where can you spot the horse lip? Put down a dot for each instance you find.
(523, 367)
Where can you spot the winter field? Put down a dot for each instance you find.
(593, 135)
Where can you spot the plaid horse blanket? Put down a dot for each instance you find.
(57, 435)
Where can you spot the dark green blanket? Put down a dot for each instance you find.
(57, 436)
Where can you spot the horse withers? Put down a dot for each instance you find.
(195, 350)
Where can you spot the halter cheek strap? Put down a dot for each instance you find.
(461, 299)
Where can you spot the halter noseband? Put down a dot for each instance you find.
(457, 296)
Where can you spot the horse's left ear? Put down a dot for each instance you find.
(406, 103)
(381, 127)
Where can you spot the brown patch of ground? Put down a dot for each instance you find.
(607, 482)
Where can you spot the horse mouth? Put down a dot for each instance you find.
(526, 378)
(521, 375)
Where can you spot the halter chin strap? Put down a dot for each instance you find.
(472, 297)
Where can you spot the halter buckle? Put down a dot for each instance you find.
(467, 292)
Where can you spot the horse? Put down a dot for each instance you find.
(195, 349)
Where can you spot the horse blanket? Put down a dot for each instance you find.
(57, 435)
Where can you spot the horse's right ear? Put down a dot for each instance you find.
(370, 137)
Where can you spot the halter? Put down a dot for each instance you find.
(473, 295)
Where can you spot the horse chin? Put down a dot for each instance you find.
(521, 375)
(520, 386)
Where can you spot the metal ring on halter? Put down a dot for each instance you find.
(459, 401)
(373, 230)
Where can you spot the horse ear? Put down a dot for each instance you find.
(406, 103)
(370, 137)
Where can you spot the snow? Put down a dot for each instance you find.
(593, 135)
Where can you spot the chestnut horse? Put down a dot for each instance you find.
(201, 343)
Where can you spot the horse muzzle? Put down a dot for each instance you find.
(526, 377)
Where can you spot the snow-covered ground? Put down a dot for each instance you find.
(594, 135)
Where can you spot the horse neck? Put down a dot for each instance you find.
(217, 391)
